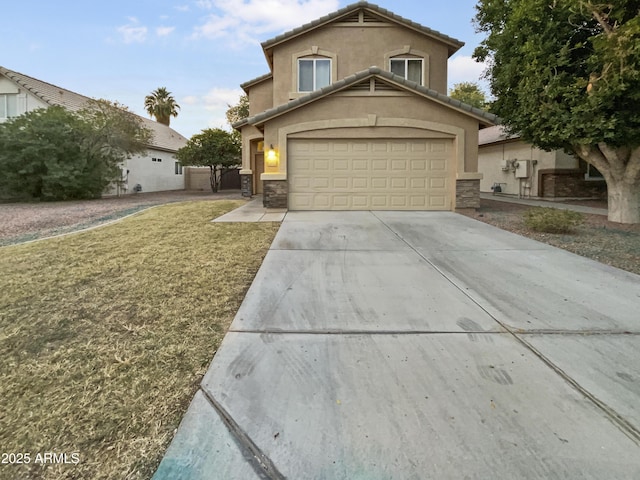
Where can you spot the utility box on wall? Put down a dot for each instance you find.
(523, 169)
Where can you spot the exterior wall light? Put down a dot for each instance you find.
(272, 157)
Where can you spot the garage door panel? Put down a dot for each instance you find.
(379, 183)
(438, 146)
(436, 183)
(399, 183)
(360, 202)
(360, 183)
(399, 164)
(439, 165)
(360, 164)
(388, 174)
(341, 164)
(320, 182)
(437, 201)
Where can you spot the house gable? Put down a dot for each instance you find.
(360, 14)
(33, 94)
(373, 81)
(350, 40)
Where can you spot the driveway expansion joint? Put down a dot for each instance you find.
(366, 332)
(261, 463)
(623, 424)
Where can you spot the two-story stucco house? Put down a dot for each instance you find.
(158, 170)
(354, 116)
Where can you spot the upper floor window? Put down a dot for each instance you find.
(8, 105)
(313, 73)
(407, 68)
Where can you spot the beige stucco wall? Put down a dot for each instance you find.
(356, 48)
(261, 97)
(491, 156)
(363, 114)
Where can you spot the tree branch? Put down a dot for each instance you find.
(594, 156)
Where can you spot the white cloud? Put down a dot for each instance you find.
(465, 69)
(243, 21)
(164, 31)
(217, 102)
(221, 98)
(205, 4)
(133, 32)
(182, 8)
(190, 100)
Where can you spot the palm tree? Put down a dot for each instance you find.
(161, 104)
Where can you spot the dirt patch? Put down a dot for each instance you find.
(611, 243)
(22, 222)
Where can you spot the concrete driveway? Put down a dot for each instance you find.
(387, 345)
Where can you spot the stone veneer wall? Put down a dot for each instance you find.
(467, 194)
(569, 183)
(275, 194)
(246, 183)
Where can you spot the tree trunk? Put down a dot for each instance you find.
(624, 201)
(213, 178)
(621, 170)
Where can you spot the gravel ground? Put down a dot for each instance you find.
(21, 222)
(607, 242)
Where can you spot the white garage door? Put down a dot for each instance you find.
(385, 174)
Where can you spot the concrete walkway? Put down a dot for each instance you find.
(545, 203)
(253, 211)
(400, 345)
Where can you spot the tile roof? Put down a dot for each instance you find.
(255, 81)
(164, 138)
(495, 134)
(454, 44)
(262, 117)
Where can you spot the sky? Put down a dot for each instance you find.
(200, 50)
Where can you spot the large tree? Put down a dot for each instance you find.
(469, 93)
(55, 154)
(237, 112)
(161, 105)
(566, 74)
(214, 148)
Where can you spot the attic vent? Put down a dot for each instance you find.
(362, 16)
(354, 18)
(378, 86)
(383, 86)
(369, 17)
(362, 86)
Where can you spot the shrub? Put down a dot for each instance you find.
(56, 154)
(552, 220)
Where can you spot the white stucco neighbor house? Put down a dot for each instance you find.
(156, 171)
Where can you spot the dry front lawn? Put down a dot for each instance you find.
(105, 335)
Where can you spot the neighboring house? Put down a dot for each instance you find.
(329, 131)
(157, 171)
(513, 167)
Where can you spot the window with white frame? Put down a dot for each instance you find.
(178, 168)
(407, 68)
(8, 105)
(313, 73)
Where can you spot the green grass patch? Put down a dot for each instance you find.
(105, 335)
(552, 220)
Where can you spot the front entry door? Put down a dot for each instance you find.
(257, 171)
